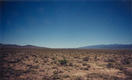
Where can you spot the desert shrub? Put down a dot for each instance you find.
(66, 76)
(86, 59)
(46, 78)
(114, 65)
(84, 64)
(95, 58)
(128, 73)
(55, 77)
(92, 76)
(76, 56)
(79, 78)
(63, 62)
(87, 67)
(110, 65)
(110, 60)
(128, 78)
(126, 61)
(55, 72)
(70, 64)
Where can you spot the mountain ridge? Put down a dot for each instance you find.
(108, 46)
(18, 46)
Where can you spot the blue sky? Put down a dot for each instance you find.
(66, 24)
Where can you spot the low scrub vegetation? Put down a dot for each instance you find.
(65, 64)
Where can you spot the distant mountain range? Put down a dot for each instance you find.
(110, 46)
(18, 46)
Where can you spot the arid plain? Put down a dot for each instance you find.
(65, 64)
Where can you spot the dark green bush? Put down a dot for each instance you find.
(63, 62)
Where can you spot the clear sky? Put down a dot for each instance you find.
(66, 24)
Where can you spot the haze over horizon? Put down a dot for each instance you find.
(66, 24)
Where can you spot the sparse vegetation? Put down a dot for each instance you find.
(65, 64)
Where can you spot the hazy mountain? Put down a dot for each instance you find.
(110, 46)
(18, 46)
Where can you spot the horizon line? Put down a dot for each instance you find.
(62, 47)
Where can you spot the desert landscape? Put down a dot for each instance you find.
(65, 64)
(65, 39)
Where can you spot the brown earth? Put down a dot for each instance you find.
(65, 64)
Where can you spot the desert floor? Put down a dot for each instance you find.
(65, 64)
